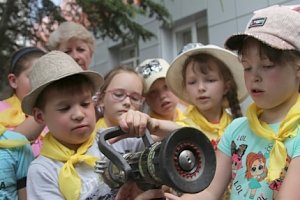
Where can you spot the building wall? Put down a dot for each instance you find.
(223, 18)
(219, 18)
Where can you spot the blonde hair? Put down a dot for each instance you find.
(70, 30)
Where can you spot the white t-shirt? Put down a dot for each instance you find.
(42, 179)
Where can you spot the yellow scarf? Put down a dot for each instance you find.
(69, 180)
(101, 124)
(178, 115)
(10, 143)
(287, 129)
(212, 130)
(14, 115)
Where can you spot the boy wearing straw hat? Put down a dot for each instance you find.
(61, 99)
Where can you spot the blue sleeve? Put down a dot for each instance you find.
(25, 157)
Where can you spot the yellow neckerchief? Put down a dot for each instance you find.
(178, 115)
(101, 123)
(287, 129)
(10, 143)
(14, 115)
(69, 181)
(195, 117)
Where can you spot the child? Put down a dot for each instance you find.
(11, 115)
(267, 141)
(205, 76)
(163, 104)
(62, 100)
(122, 93)
(16, 155)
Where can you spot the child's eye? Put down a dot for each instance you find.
(246, 69)
(268, 66)
(67, 51)
(191, 82)
(211, 80)
(63, 109)
(86, 104)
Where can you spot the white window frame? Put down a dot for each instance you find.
(191, 26)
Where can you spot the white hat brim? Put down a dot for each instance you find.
(175, 77)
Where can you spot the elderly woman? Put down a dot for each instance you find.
(75, 40)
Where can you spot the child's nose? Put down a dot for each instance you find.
(201, 86)
(78, 114)
(127, 101)
(256, 76)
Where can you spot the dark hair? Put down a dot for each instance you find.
(18, 59)
(274, 55)
(70, 85)
(203, 67)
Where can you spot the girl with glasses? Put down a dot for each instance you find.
(122, 91)
(119, 100)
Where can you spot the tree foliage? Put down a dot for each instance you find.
(29, 22)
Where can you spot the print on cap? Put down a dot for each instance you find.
(258, 22)
(148, 69)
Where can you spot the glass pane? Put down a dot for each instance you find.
(202, 35)
(182, 38)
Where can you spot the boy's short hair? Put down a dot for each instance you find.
(70, 30)
(54, 66)
(276, 26)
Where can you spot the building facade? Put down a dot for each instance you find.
(205, 21)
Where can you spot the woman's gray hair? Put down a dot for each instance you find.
(70, 30)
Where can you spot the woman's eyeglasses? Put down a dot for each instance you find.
(120, 94)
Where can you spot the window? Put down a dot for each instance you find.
(128, 56)
(189, 30)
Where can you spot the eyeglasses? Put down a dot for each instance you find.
(120, 94)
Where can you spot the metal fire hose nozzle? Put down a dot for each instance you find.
(185, 161)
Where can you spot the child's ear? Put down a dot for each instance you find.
(12, 80)
(100, 100)
(38, 115)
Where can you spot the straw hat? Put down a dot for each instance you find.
(51, 67)
(276, 26)
(153, 69)
(174, 77)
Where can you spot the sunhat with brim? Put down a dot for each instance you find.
(52, 67)
(276, 26)
(174, 76)
(153, 69)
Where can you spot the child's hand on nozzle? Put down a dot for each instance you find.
(136, 123)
